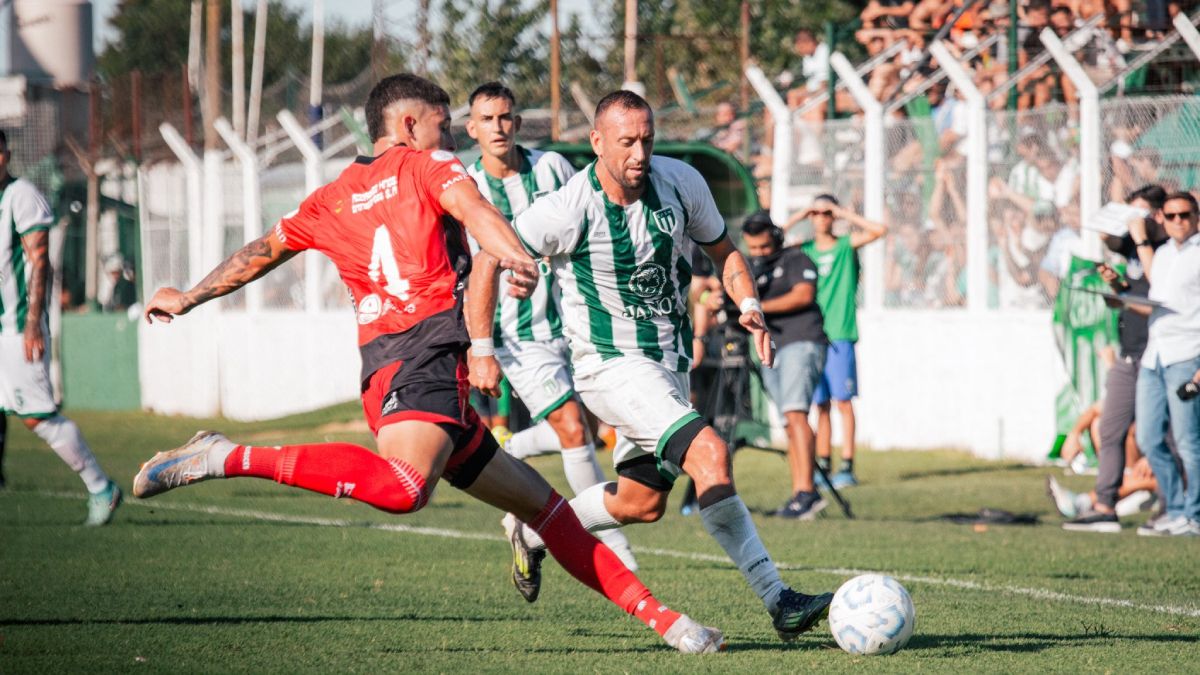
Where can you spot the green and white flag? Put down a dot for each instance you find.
(1083, 327)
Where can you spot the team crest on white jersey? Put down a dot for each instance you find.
(648, 280)
(664, 220)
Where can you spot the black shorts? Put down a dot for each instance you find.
(644, 469)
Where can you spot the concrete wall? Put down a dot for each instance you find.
(929, 379)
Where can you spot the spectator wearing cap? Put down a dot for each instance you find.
(837, 292)
(1169, 380)
(787, 283)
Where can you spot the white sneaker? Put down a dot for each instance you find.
(1164, 526)
(690, 637)
(199, 459)
(1064, 499)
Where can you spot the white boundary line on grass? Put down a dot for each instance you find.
(1035, 593)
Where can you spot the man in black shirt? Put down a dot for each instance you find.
(1118, 411)
(787, 283)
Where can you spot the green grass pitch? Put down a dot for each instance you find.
(245, 575)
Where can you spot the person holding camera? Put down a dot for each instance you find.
(787, 283)
(1168, 386)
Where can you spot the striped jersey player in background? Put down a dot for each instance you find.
(620, 237)
(25, 389)
(523, 337)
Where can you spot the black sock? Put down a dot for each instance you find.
(848, 465)
(823, 462)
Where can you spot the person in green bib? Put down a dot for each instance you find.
(837, 295)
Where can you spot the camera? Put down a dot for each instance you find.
(1188, 391)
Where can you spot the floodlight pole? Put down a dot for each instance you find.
(1188, 32)
(1089, 138)
(195, 199)
(251, 204)
(312, 180)
(873, 173)
(781, 158)
(977, 176)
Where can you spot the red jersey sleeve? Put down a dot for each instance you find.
(297, 230)
(437, 170)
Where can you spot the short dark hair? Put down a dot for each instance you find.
(3, 139)
(1154, 195)
(1061, 10)
(1036, 5)
(826, 197)
(757, 223)
(623, 99)
(402, 87)
(805, 31)
(1187, 197)
(492, 90)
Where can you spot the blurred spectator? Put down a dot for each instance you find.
(837, 295)
(730, 133)
(123, 290)
(1063, 245)
(887, 13)
(1169, 381)
(813, 70)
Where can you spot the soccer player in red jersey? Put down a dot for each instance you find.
(393, 226)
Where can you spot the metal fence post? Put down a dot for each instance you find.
(781, 158)
(251, 202)
(195, 200)
(873, 174)
(1188, 32)
(1089, 138)
(312, 180)
(977, 176)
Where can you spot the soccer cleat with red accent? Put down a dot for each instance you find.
(199, 459)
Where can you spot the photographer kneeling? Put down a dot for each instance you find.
(787, 284)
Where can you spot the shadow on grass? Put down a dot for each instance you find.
(1028, 642)
(964, 471)
(239, 620)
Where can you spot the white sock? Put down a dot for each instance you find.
(64, 438)
(581, 467)
(728, 521)
(536, 440)
(615, 540)
(589, 508)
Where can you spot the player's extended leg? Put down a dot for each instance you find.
(515, 487)
(65, 439)
(412, 455)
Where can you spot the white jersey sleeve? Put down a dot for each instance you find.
(704, 222)
(562, 167)
(28, 207)
(553, 224)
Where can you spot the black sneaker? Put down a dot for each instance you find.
(527, 561)
(803, 506)
(1094, 521)
(796, 613)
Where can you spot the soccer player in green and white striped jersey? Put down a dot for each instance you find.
(25, 390)
(620, 237)
(524, 337)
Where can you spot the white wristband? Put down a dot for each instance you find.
(481, 347)
(750, 304)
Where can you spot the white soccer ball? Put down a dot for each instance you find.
(871, 614)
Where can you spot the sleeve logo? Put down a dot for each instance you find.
(442, 156)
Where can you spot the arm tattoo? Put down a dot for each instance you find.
(37, 250)
(247, 264)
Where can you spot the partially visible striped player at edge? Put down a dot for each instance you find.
(620, 237)
(25, 389)
(523, 337)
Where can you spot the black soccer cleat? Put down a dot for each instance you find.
(527, 561)
(797, 613)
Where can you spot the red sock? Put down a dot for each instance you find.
(596, 565)
(335, 469)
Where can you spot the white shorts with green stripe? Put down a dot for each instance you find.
(646, 403)
(25, 388)
(539, 372)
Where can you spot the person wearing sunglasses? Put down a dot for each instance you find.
(1169, 380)
(837, 291)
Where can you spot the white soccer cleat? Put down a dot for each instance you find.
(690, 637)
(199, 459)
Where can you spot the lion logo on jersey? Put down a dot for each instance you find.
(648, 280)
(664, 220)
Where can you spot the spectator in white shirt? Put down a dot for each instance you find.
(1170, 374)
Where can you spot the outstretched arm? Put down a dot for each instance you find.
(867, 230)
(37, 252)
(494, 234)
(481, 307)
(247, 264)
(739, 286)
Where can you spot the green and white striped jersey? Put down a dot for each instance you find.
(625, 271)
(538, 317)
(22, 210)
